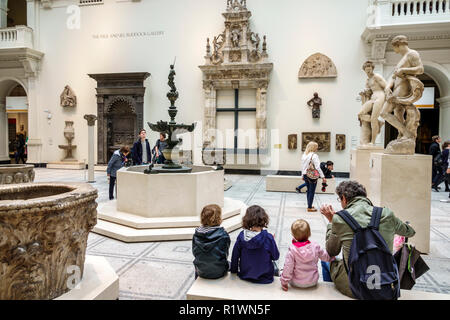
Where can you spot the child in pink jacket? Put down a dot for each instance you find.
(300, 266)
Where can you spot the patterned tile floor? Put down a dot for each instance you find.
(163, 270)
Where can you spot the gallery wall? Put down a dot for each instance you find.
(295, 29)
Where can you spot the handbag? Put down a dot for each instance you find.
(312, 173)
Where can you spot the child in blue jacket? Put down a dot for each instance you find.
(255, 248)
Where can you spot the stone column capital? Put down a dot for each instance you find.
(444, 102)
(91, 118)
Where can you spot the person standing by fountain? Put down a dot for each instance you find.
(117, 161)
(20, 149)
(141, 153)
(161, 144)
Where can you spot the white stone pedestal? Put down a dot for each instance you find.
(403, 184)
(359, 164)
(67, 165)
(100, 282)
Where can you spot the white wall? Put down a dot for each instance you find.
(295, 29)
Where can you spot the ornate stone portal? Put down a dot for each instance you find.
(120, 111)
(236, 62)
(43, 238)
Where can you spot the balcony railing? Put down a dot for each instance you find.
(394, 12)
(16, 37)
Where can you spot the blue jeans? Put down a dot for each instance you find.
(311, 190)
(326, 271)
(300, 187)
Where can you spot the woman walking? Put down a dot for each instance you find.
(311, 172)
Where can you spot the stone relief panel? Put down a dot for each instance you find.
(292, 142)
(340, 142)
(318, 66)
(323, 139)
(68, 99)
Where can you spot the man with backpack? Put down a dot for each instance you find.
(370, 255)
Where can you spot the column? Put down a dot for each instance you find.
(444, 120)
(209, 126)
(33, 20)
(91, 162)
(261, 117)
(3, 13)
(34, 132)
(4, 150)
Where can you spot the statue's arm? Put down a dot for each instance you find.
(416, 62)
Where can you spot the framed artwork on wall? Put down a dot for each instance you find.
(292, 142)
(340, 142)
(323, 139)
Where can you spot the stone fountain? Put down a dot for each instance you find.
(43, 233)
(167, 199)
(69, 162)
(172, 129)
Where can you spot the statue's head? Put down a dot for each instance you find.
(316, 95)
(399, 42)
(368, 67)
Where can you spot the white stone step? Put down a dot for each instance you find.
(128, 234)
(277, 183)
(108, 211)
(100, 282)
(231, 287)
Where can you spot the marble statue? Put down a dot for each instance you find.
(373, 98)
(235, 37)
(315, 103)
(402, 91)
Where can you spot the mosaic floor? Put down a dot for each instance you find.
(164, 270)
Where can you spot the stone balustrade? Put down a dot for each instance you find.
(16, 37)
(393, 12)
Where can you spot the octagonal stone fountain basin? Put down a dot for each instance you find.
(43, 237)
(16, 173)
(168, 194)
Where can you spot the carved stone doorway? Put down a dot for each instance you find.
(122, 125)
(120, 111)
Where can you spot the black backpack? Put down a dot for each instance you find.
(372, 270)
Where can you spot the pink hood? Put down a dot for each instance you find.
(300, 265)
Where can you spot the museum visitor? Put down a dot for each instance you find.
(353, 198)
(117, 161)
(141, 152)
(311, 172)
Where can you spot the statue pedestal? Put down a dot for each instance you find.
(359, 164)
(68, 165)
(403, 184)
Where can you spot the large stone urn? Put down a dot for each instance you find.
(43, 237)
(16, 173)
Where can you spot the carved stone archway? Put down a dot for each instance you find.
(120, 111)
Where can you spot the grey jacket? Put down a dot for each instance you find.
(116, 162)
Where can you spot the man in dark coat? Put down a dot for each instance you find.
(20, 149)
(435, 151)
(141, 152)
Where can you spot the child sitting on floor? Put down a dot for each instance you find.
(210, 245)
(300, 266)
(255, 248)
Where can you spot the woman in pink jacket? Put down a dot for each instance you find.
(300, 266)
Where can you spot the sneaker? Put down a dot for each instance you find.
(298, 190)
(312, 210)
